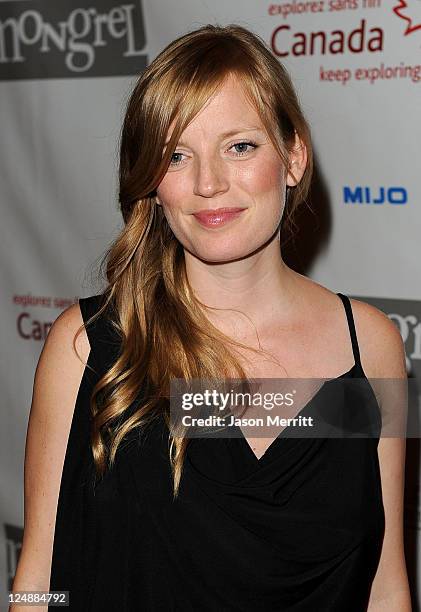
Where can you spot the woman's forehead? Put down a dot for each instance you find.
(223, 116)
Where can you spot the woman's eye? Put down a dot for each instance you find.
(243, 145)
(175, 163)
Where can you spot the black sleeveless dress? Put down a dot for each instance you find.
(298, 530)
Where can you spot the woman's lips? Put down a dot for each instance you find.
(216, 218)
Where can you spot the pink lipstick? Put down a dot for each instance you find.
(217, 216)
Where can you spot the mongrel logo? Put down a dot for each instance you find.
(39, 39)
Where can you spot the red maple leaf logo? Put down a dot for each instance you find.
(412, 24)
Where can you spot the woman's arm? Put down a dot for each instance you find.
(390, 589)
(56, 384)
(383, 356)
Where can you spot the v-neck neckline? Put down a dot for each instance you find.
(259, 460)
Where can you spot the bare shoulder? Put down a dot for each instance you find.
(381, 346)
(64, 335)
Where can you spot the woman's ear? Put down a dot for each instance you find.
(297, 162)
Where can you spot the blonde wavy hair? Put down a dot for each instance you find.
(153, 305)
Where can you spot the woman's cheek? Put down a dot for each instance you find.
(267, 178)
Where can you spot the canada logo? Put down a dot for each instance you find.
(403, 10)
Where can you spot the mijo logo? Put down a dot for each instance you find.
(368, 195)
(41, 39)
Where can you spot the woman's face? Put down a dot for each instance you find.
(212, 169)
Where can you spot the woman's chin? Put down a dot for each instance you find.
(218, 255)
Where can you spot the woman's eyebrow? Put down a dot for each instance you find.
(232, 132)
(238, 130)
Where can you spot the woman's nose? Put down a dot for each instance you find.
(211, 178)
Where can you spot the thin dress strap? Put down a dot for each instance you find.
(351, 324)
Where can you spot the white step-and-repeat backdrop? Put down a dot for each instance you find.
(66, 70)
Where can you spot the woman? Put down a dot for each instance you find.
(213, 141)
